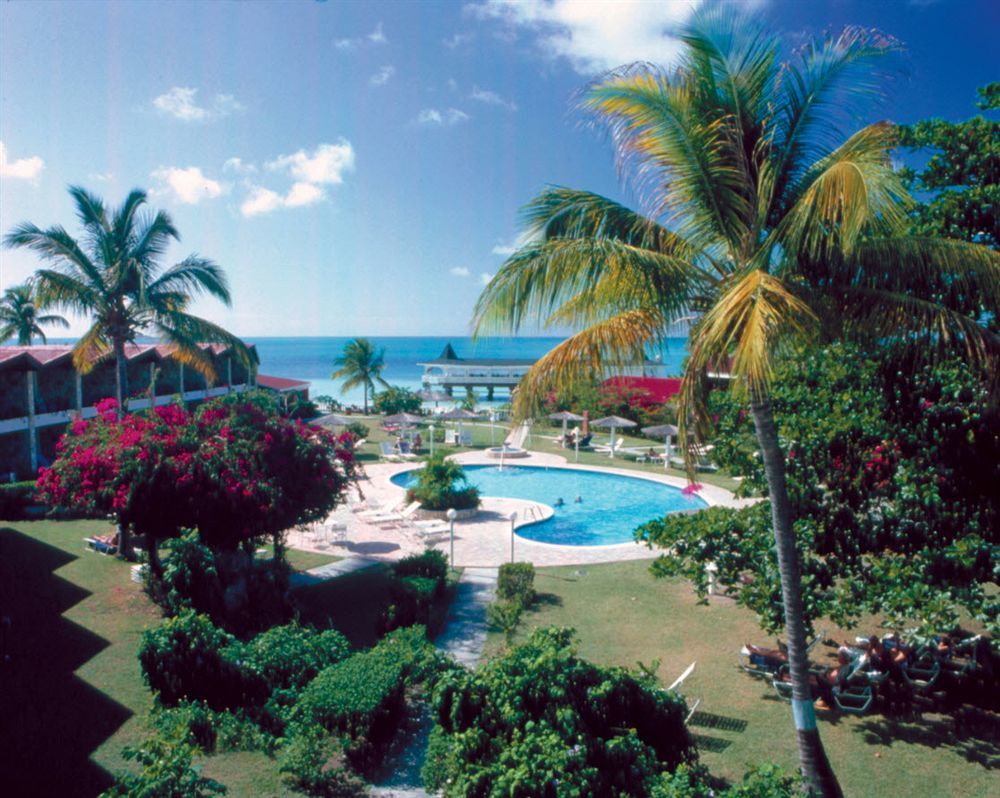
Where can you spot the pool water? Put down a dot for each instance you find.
(611, 506)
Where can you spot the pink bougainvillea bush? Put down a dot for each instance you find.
(233, 469)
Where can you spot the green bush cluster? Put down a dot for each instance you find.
(420, 583)
(542, 721)
(396, 399)
(15, 499)
(312, 764)
(166, 772)
(192, 579)
(358, 430)
(443, 485)
(763, 781)
(361, 698)
(515, 593)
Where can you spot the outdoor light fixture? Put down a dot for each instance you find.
(452, 515)
(513, 518)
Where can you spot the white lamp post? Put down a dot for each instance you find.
(513, 518)
(492, 419)
(432, 439)
(451, 520)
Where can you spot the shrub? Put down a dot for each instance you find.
(442, 485)
(213, 731)
(541, 713)
(166, 773)
(187, 657)
(310, 764)
(432, 564)
(189, 581)
(358, 430)
(420, 581)
(15, 499)
(395, 399)
(290, 656)
(516, 582)
(504, 616)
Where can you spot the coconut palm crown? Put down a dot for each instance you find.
(19, 317)
(360, 365)
(764, 224)
(113, 275)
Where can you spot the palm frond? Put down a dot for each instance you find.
(55, 320)
(826, 87)
(92, 347)
(687, 160)
(64, 290)
(601, 349)
(56, 246)
(182, 328)
(853, 192)
(192, 276)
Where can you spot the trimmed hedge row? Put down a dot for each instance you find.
(15, 499)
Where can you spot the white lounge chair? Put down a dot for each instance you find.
(395, 518)
(375, 510)
(387, 451)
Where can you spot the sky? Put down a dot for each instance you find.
(358, 167)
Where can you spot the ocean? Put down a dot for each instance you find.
(312, 358)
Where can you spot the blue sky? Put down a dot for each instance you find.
(358, 167)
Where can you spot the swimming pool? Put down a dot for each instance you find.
(611, 505)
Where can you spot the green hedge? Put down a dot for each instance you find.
(290, 656)
(15, 499)
(516, 583)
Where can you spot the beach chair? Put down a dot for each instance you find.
(465, 439)
(404, 450)
(388, 451)
(923, 672)
(394, 519)
(676, 688)
(376, 510)
(757, 666)
(103, 544)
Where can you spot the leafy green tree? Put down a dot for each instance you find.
(360, 365)
(542, 721)
(767, 225)
(113, 275)
(442, 485)
(396, 399)
(19, 316)
(961, 176)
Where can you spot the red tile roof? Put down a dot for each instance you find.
(37, 357)
(281, 383)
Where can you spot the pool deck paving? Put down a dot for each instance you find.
(485, 540)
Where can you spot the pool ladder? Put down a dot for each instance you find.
(534, 513)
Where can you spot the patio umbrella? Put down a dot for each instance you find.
(429, 395)
(565, 416)
(330, 420)
(613, 423)
(667, 431)
(458, 414)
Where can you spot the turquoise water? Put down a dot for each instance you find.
(612, 506)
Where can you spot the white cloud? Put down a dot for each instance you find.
(99, 177)
(485, 278)
(504, 250)
(303, 194)
(238, 166)
(260, 200)
(345, 44)
(377, 36)
(22, 168)
(327, 163)
(435, 118)
(188, 186)
(180, 103)
(596, 36)
(458, 39)
(382, 76)
(491, 98)
(459, 271)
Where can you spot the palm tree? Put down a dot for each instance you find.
(19, 316)
(360, 365)
(114, 276)
(765, 225)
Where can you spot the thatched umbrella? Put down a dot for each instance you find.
(565, 416)
(428, 395)
(330, 420)
(667, 431)
(402, 419)
(613, 423)
(459, 414)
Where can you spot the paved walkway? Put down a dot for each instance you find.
(464, 633)
(321, 573)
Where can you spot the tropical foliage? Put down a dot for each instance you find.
(233, 469)
(768, 223)
(443, 485)
(113, 275)
(19, 317)
(396, 399)
(961, 176)
(541, 721)
(892, 478)
(360, 365)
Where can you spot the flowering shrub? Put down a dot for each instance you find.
(233, 469)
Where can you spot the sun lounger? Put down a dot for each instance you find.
(403, 448)
(388, 451)
(102, 544)
(375, 510)
(395, 518)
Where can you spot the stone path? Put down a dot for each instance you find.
(331, 570)
(463, 638)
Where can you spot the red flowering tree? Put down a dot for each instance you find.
(233, 469)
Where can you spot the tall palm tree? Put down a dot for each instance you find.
(19, 316)
(113, 275)
(765, 225)
(360, 365)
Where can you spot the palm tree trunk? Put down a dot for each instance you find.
(121, 376)
(365, 388)
(812, 757)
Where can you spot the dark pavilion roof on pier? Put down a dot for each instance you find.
(449, 358)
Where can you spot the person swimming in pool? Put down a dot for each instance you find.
(559, 502)
(578, 500)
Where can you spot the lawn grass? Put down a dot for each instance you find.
(72, 692)
(622, 616)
